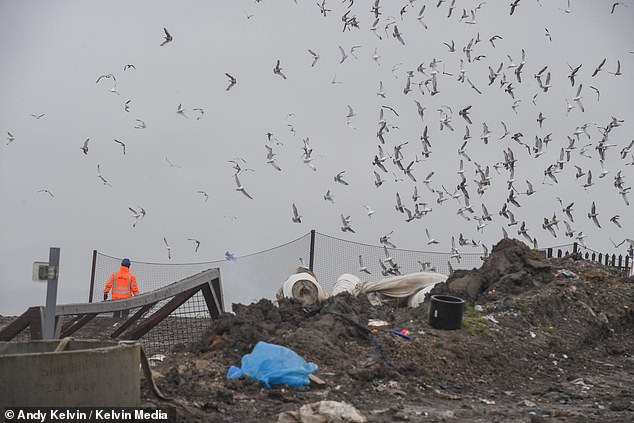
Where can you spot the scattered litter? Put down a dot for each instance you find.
(155, 359)
(323, 412)
(491, 319)
(377, 323)
(487, 401)
(274, 365)
(579, 381)
(527, 403)
(478, 308)
(393, 384)
(567, 274)
(532, 334)
(401, 334)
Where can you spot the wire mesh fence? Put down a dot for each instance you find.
(253, 277)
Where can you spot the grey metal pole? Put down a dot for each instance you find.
(51, 294)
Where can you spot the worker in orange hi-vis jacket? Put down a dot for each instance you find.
(122, 283)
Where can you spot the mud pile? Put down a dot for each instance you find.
(553, 342)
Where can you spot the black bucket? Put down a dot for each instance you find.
(445, 312)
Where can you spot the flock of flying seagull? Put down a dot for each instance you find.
(427, 81)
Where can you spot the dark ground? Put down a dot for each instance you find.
(562, 350)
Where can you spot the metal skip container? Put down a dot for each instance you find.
(85, 373)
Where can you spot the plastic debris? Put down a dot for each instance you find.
(401, 334)
(323, 412)
(478, 308)
(579, 381)
(527, 403)
(567, 274)
(274, 365)
(377, 322)
(491, 319)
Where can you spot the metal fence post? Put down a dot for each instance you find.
(92, 275)
(51, 294)
(311, 259)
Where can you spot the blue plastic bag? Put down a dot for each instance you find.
(274, 365)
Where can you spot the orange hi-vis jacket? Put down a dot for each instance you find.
(123, 284)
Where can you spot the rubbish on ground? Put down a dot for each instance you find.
(579, 381)
(377, 322)
(317, 380)
(487, 401)
(302, 286)
(568, 274)
(348, 283)
(527, 403)
(403, 335)
(323, 412)
(155, 359)
(532, 334)
(478, 308)
(491, 319)
(404, 285)
(274, 365)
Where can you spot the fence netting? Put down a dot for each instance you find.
(260, 275)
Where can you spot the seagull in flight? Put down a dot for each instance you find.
(168, 37)
(296, 217)
(370, 211)
(204, 193)
(278, 70)
(180, 110)
(345, 220)
(232, 81)
(122, 145)
(240, 187)
(315, 57)
(197, 243)
(170, 163)
(339, 178)
(430, 240)
(47, 191)
(126, 67)
(593, 215)
(229, 256)
(137, 215)
(329, 197)
(105, 182)
(363, 268)
(140, 124)
(84, 148)
(38, 116)
(169, 250)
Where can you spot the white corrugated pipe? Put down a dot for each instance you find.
(303, 287)
(347, 283)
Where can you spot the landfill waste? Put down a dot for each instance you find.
(274, 365)
(567, 274)
(348, 283)
(323, 412)
(302, 286)
(413, 286)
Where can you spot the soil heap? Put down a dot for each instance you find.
(542, 340)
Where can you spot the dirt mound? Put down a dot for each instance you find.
(553, 342)
(511, 269)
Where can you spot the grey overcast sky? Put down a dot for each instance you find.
(53, 52)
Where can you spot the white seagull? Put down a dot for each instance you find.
(240, 187)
